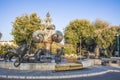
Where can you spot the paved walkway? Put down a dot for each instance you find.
(92, 71)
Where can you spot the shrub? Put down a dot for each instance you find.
(69, 49)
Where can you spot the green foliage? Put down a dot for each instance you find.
(99, 24)
(89, 41)
(4, 48)
(104, 34)
(117, 29)
(100, 33)
(55, 46)
(78, 30)
(24, 26)
(69, 49)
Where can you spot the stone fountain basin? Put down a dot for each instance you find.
(42, 66)
(80, 64)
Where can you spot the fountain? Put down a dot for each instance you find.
(46, 35)
(42, 59)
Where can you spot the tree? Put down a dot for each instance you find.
(24, 26)
(105, 38)
(100, 24)
(118, 29)
(99, 34)
(104, 34)
(90, 44)
(78, 30)
(69, 49)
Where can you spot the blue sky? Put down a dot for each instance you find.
(61, 11)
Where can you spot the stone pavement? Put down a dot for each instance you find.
(25, 74)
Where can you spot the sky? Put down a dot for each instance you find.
(61, 11)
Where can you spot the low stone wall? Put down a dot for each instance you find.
(89, 62)
(52, 66)
(29, 66)
(97, 62)
(42, 66)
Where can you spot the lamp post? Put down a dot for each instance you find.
(118, 43)
(0, 35)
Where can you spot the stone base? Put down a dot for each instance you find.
(29, 66)
(68, 66)
(89, 62)
(42, 66)
(97, 62)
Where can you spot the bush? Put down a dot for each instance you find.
(69, 49)
(4, 48)
(55, 46)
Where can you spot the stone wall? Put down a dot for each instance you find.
(29, 66)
